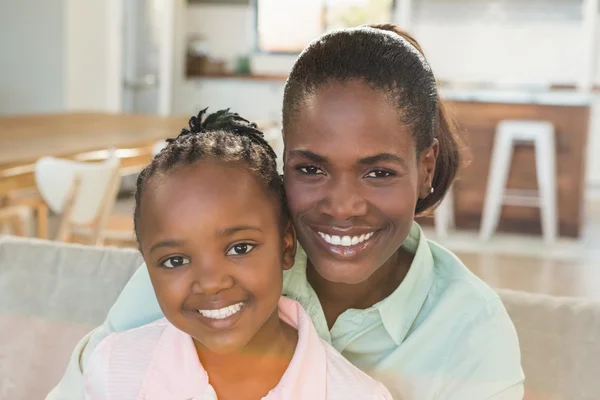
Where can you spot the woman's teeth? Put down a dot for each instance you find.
(346, 241)
(222, 313)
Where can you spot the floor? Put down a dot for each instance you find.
(567, 268)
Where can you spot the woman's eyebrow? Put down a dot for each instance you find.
(309, 155)
(382, 158)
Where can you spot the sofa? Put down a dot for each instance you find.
(52, 294)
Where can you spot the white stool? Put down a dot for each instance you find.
(508, 133)
(444, 215)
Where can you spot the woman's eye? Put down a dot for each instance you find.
(379, 173)
(310, 170)
(240, 249)
(175, 261)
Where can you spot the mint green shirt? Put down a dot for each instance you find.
(442, 334)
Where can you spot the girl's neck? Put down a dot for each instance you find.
(335, 298)
(256, 369)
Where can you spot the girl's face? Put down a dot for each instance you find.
(213, 241)
(352, 179)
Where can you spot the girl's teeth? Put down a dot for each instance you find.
(345, 240)
(222, 313)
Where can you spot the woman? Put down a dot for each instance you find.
(368, 146)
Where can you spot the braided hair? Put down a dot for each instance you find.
(223, 135)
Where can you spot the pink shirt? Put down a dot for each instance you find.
(157, 361)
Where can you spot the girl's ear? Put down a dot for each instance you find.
(289, 245)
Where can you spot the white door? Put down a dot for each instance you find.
(147, 58)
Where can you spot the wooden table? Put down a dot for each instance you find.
(82, 136)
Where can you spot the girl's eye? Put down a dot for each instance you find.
(310, 170)
(240, 249)
(380, 173)
(175, 261)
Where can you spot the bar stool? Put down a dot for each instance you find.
(509, 133)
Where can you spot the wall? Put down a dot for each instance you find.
(502, 40)
(32, 56)
(54, 56)
(86, 72)
(465, 40)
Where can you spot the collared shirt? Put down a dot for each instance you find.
(158, 361)
(443, 334)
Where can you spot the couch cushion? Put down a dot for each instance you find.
(51, 295)
(560, 345)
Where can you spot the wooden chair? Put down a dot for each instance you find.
(83, 194)
(13, 217)
(32, 200)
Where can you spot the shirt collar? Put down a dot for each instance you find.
(176, 371)
(309, 362)
(400, 309)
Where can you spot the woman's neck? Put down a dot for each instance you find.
(256, 369)
(335, 298)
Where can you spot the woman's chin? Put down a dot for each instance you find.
(344, 272)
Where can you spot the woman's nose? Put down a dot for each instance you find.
(343, 200)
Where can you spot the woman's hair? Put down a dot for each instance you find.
(391, 61)
(223, 136)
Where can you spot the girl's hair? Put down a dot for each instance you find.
(223, 136)
(391, 61)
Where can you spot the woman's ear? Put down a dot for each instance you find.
(427, 162)
(289, 245)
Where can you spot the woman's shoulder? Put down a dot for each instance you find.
(454, 277)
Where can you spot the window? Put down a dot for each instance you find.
(287, 26)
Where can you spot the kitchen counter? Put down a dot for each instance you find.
(549, 97)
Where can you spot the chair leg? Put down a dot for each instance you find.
(17, 226)
(42, 221)
(546, 176)
(499, 169)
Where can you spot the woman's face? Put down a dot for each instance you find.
(352, 178)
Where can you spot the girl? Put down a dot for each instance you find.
(367, 147)
(212, 227)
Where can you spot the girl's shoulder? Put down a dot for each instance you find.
(128, 353)
(133, 340)
(348, 382)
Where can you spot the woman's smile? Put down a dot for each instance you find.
(347, 243)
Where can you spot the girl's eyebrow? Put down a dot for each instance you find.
(167, 243)
(234, 229)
